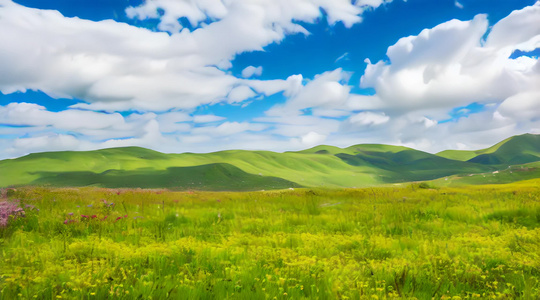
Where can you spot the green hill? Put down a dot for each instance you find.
(411, 165)
(520, 149)
(220, 177)
(321, 166)
(514, 150)
(304, 169)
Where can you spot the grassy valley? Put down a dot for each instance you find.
(132, 223)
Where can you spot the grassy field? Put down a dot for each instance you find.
(374, 243)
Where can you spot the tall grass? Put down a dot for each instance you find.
(377, 243)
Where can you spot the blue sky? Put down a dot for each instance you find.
(202, 76)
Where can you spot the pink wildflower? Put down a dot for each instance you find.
(9, 210)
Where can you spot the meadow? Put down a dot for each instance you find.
(397, 242)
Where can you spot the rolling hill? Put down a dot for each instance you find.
(321, 166)
(519, 149)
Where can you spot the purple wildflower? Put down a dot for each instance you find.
(9, 210)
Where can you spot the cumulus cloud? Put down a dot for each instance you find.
(328, 90)
(522, 106)
(449, 66)
(453, 65)
(278, 13)
(519, 30)
(113, 66)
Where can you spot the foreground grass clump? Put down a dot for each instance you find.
(380, 243)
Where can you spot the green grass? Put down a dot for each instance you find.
(374, 243)
(504, 175)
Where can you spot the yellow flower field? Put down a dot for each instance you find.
(410, 242)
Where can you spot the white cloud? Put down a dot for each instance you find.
(278, 13)
(447, 66)
(87, 122)
(312, 139)
(521, 107)
(519, 30)
(344, 56)
(239, 94)
(112, 65)
(326, 90)
(369, 118)
(331, 113)
(458, 5)
(451, 66)
(252, 71)
(53, 142)
(228, 128)
(174, 122)
(371, 3)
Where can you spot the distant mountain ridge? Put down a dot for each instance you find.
(321, 166)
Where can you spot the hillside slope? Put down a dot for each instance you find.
(514, 150)
(212, 177)
(354, 166)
